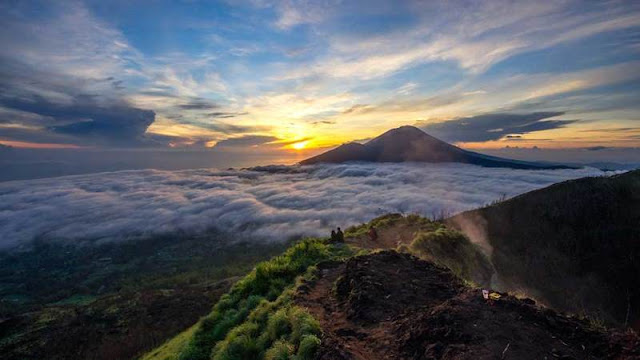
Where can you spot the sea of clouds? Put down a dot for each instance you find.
(273, 203)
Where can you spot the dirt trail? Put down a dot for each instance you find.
(394, 306)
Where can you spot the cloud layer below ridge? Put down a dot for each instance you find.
(272, 203)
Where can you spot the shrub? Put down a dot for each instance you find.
(302, 323)
(278, 325)
(281, 350)
(309, 344)
(242, 347)
(288, 328)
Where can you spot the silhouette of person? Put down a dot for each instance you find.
(333, 236)
(373, 234)
(340, 235)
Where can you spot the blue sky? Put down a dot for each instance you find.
(284, 75)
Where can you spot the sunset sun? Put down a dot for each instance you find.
(300, 145)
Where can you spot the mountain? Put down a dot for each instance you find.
(574, 245)
(408, 143)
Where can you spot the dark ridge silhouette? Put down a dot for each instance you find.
(408, 143)
(576, 245)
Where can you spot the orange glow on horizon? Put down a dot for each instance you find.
(30, 145)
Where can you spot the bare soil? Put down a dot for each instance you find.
(394, 306)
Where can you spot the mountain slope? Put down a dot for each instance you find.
(324, 300)
(394, 306)
(575, 245)
(408, 143)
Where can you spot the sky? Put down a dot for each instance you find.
(297, 77)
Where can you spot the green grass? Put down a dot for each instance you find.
(387, 221)
(77, 300)
(172, 348)
(273, 330)
(259, 297)
(379, 222)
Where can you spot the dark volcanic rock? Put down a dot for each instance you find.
(395, 306)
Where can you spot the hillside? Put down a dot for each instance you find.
(394, 306)
(408, 143)
(322, 300)
(114, 300)
(574, 245)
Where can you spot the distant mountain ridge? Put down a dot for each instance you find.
(408, 143)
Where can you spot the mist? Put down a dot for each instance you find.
(273, 203)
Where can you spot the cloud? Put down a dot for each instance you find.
(85, 118)
(57, 74)
(473, 35)
(225, 115)
(275, 203)
(494, 126)
(296, 12)
(597, 148)
(199, 105)
(245, 141)
(225, 128)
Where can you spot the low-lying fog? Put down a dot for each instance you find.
(272, 203)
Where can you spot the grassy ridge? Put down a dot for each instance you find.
(262, 289)
(273, 330)
(256, 319)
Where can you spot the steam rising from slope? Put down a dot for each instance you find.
(268, 202)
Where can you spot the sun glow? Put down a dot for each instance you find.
(300, 145)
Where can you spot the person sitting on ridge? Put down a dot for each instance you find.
(334, 238)
(340, 235)
(373, 234)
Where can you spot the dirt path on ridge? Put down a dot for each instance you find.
(389, 305)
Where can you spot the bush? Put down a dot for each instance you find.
(242, 347)
(302, 323)
(278, 325)
(281, 350)
(309, 344)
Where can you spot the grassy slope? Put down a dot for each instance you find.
(575, 245)
(255, 319)
(173, 346)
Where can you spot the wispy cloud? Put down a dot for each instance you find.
(475, 36)
(494, 126)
